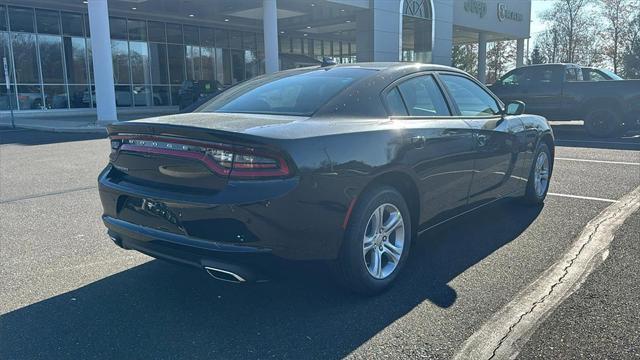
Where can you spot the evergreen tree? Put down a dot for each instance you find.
(536, 56)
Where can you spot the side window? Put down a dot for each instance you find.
(595, 75)
(514, 78)
(423, 97)
(395, 103)
(472, 100)
(572, 74)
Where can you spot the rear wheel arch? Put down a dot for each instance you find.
(406, 185)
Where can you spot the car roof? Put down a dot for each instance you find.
(399, 67)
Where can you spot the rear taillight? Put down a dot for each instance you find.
(228, 160)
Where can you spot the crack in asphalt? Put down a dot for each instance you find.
(28, 197)
(558, 282)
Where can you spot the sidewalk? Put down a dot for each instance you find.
(75, 120)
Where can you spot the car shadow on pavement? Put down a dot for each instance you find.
(34, 137)
(575, 136)
(158, 310)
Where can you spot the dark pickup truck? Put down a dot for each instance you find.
(559, 92)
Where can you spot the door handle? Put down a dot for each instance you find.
(418, 141)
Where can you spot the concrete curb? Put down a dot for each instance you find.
(89, 129)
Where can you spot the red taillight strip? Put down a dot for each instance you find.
(212, 165)
(238, 170)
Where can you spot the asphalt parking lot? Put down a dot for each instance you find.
(66, 292)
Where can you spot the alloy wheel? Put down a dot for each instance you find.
(383, 241)
(542, 173)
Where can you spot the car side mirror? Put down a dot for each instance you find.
(515, 108)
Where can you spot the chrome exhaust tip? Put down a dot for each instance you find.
(224, 275)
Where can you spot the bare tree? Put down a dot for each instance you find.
(571, 32)
(500, 58)
(465, 57)
(617, 16)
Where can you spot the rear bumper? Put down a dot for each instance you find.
(243, 225)
(250, 264)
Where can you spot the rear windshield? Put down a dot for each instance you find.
(297, 93)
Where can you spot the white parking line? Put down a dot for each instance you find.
(596, 142)
(583, 197)
(599, 161)
(509, 329)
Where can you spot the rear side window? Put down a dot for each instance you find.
(286, 94)
(472, 100)
(514, 78)
(395, 103)
(423, 97)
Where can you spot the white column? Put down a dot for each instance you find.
(442, 32)
(482, 57)
(386, 30)
(102, 64)
(270, 30)
(520, 53)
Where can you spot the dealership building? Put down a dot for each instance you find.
(114, 58)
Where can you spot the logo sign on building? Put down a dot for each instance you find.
(504, 13)
(476, 7)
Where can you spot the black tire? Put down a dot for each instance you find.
(350, 269)
(531, 196)
(603, 123)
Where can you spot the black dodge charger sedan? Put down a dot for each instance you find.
(345, 163)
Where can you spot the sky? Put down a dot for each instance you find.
(537, 8)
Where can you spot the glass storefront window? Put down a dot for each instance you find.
(3, 18)
(159, 65)
(4, 52)
(207, 37)
(219, 65)
(118, 28)
(235, 39)
(317, 49)
(75, 54)
(87, 29)
(72, 24)
(7, 98)
(123, 96)
(79, 96)
(208, 60)
(226, 67)
(237, 61)
(249, 41)
(25, 58)
(157, 31)
(139, 58)
(284, 45)
(250, 64)
(51, 59)
(137, 30)
(222, 38)
(30, 97)
(296, 46)
(120, 55)
(176, 54)
(51, 51)
(174, 33)
(55, 97)
(175, 95)
(142, 96)
(48, 22)
(416, 39)
(21, 19)
(161, 96)
(191, 36)
(326, 48)
(193, 62)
